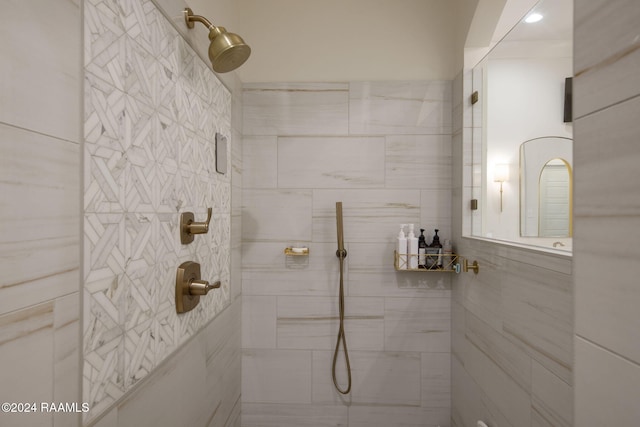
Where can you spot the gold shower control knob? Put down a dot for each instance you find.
(188, 227)
(190, 286)
(202, 287)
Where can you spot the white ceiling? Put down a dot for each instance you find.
(551, 37)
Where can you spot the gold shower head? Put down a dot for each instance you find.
(227, 51)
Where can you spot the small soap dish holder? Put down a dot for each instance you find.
(296, 251)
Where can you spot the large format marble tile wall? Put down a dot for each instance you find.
(512, 324)
(607, 212)
(39, 214)
(384, 150)
(152, 108)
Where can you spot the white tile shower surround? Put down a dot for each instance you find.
(512, 325)
(607, 220)
(384, 150)
(475, 313)
(152, 108)
(39, 218)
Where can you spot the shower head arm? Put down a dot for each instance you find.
(190, 18)
(227, 51)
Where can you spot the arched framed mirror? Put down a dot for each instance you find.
(546, 183)
(554, 199)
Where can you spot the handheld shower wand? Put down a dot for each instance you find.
(341, 253)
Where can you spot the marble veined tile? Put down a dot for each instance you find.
(435, 213)
(436, 380)
(417, 324)
(258, 321)
(260, 162)
(67, 350)
(267, 271)
(513, 402)
(538, 312)
(159, 402)
(609, 82)
(139, 352)
(152, 108)
(106, 247)
(40, 80)
(378, 378)
(39, 186)
(295, 109)
(26, 344)
(276, 215)
(606, 387)
(606, 56)
(289, 415)
(470, 402)
(371, 273)
(418, 108)
(105, 173)
(368, 215)
(511, 358)
(312, 322)
(107, 64)
(103, 377)
(331, 162)
(405, 416)
(599, 41)
(551, 398)
(619, 127)
(418, 161)
(276, 376)
(103, 24)
(608, 295)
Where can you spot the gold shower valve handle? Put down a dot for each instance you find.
(202, 287)
(190, 286)
(188, 227)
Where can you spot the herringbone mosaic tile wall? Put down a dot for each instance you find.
(152, 108)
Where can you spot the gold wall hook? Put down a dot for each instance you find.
(475, 266)
(188, 227)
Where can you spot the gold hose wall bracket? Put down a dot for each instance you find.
(475, 266)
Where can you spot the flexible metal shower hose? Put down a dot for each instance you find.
(341, 335)
(341, 253)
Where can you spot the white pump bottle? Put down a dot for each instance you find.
(401, 249)
(412, 241)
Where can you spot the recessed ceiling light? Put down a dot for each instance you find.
(534, 17)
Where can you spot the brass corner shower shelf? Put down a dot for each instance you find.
(437, 262)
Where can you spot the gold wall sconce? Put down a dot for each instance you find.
(227, 51)
(501, 175)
